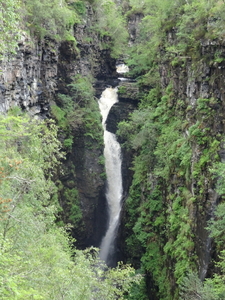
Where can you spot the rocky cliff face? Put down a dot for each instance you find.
(192, 90)
(198, 88)
(87, 176)
(29, 79)
(40, 70)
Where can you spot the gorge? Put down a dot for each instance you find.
(167, 114)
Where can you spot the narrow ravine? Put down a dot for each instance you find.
(114, 189)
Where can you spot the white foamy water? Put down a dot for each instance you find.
(112, 153)
(122, 68)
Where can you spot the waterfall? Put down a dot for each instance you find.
(122, 68)
(114, 189)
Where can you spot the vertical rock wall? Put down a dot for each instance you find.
(29, 79)
(191, 81)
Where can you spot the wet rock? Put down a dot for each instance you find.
(119, 112)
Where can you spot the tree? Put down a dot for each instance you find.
(37, 258)
(111, 25)
(193, 289)
(9, 26)
(54, 19)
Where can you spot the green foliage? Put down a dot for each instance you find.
(9, 27)
(122, 90)
(82, 89)
(144, 53)
(50, 18)
(180, 247)
(179, 35)
(59, 115)
(74, 212)
(36, 257)
(159, 205)
(79, 7)
(198, 133)
(78, 114)
(216, 226)
(211, 289)
(68, 143)
(217, 282)
(175, 148)
(111, 26)
(79, 109)
(192, 289)
(218, 172)
(176, 158)
(203, 104)
(138, 290)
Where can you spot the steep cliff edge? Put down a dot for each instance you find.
(176, 135)
(199, 95)
(36, 79)
(29, 79)
(172, 142)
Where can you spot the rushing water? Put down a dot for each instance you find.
(122, 68)
(112, 153)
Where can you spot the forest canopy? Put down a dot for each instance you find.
(37, 257)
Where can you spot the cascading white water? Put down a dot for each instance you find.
(122, 68)
(112, 153)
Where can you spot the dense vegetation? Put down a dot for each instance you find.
(9, 25)
(76, 114)
(176, 148)
(38, 260)
(174, 140)
(56, 19)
